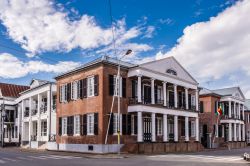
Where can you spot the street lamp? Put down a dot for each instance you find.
(119, 95)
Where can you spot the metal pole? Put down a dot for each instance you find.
(119, 107)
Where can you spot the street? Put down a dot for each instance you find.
(14, 156)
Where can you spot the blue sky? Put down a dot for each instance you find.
(48, 37)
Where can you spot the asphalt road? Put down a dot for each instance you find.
(15, 157)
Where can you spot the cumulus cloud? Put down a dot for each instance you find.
(39, 26)
(216, 48)
(12, 67)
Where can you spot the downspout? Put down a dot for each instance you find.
(51, 99)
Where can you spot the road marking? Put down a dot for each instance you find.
(37, 157)
(2, 162)
(23, 158)
(8, 159)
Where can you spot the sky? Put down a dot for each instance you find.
(40, 39)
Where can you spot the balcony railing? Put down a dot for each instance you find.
(34, 112)
(232, 117)
(52, 138)
(26, 113)
(169, 104)
(43, 109)
(33, 138)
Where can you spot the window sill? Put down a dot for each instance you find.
(76, 135)
(90, 134)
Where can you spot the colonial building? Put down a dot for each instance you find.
(37, 112)
(247, 120)
(159, 108)
(227, 129)
(9, 114)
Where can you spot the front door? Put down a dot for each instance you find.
(147, 129)
(147, 94)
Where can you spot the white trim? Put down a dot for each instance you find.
(152, 109)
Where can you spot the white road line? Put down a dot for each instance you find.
(38, 157)
(66, 157)
(51, 157)
(8, 159)
(23, 158)
(2, 162)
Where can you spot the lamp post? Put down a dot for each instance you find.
(119, 95)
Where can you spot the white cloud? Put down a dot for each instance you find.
(166, 21)
(217, 48)
(12, 67)
(40, 26)
(149, 32)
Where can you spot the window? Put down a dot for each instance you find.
(192, 128)
(79, 89)
(44, 128)
(193, 100)
(74, 89)
(159, 93)
(115, 123)
(201, 107)
(113, 85)
(63, 93)
(159, 126)
(77, 125)
(171, 71)
(90, 124)
(64, 126)
(90, 86)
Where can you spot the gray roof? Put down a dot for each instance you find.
(205, 91)
(247, 104)
(103, 59)
(228, 91)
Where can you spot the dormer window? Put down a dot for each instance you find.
(171, 71)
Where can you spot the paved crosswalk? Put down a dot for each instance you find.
(4, 160)
(198, 158)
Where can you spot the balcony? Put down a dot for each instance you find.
(33, 112)
(233, 117)
(26, 113)
(160, 103)
(43, 109)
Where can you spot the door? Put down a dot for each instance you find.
(171, 99)
(147, 94)
(147, 129)
(204, 136)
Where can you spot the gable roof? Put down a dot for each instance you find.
(229, 91)
(247, 104)
(205, 91)
(12, 90)
(103, 59)
(169, 63)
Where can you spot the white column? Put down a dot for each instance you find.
(164, 94)
(175, 96)
(230, 132)
(223, 132)
(39, 118)
(153, 127)
(197, 99)
(186, 129)
(139, 126)
(152, 91)
(243, 132)
(48, 113)
(30, 122)
(243, 112)
(176, 128)
(19, 114)
(22, 120)
(197, 129)
(186, 97)
(239, 132)
(239, 112)
(235, 138)
(165, 128)
(234, 109)
(230, 109)
(139, 88)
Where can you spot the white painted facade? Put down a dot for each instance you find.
(172, 77)
(37, 112)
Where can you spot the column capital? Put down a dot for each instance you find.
(139, 75)
(152, 79)
(164, 82)
(186, 88)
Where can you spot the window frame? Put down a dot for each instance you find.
(193, 129)
(90, 124)
(77, 129)
(91, 86)
(44, 128)
(159, 129)
(64, 126)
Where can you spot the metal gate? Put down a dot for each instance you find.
(147, 129)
